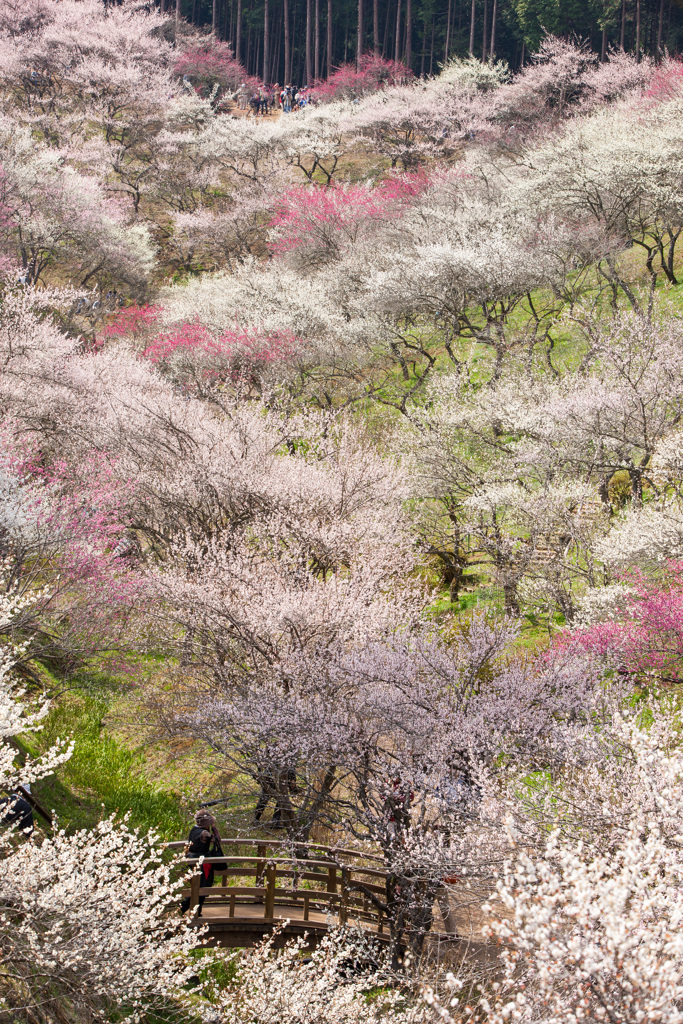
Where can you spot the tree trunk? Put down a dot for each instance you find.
(409, 33)
(276, 37)
(431, 52)
(290, 69)
(359, 39)
(266, 43)
(194, 11)
(375, 27)
(448, 33)
(486, 29)
(603, 48)
(238, 32)
(316, 62)
(309, 41)
(329, 38)
(397, 50)
(660, 27)
(511, 600)
(622, 37)
(213, 18)
(472, 20)
(492, 54)
(285, 18)
(177, 14)
(638, 30)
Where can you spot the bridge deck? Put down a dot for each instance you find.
(248, 925)
(255, 912)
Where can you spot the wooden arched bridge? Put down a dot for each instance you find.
(264, 886)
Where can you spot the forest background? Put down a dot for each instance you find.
(422, 34)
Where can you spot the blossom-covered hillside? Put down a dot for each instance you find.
(341, 490)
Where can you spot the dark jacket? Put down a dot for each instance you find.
(210, 847)
(197, 848)
(16, 811)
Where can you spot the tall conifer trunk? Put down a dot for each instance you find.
(309, 41)
(638, 30)
(397, 48)
(409, 33)
(285, 18)
(329, 38)
(492, 52)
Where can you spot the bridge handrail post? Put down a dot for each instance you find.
(344, 904)
(261, 862)
(195, 883)
(332, 879)
(269, 904)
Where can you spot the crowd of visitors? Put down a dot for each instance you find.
(268, 98)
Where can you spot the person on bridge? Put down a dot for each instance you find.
(203, 841)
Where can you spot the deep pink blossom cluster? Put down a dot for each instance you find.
(341, 210)
(212, 63)
(351, 82)
(230, 354)
(227, 350)
(132, 322)
(645, 635)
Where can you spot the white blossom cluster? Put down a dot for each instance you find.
(82, 916)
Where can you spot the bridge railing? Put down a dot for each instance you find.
(331, 886)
